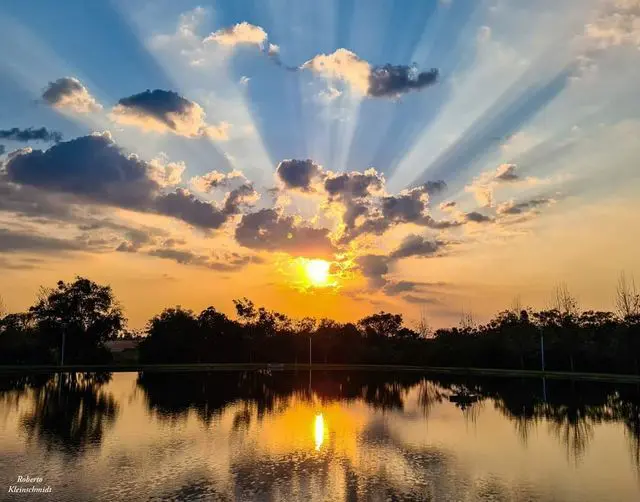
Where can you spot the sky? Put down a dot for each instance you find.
(323, 158)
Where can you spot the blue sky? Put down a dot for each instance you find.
(532, 124)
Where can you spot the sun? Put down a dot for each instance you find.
(317, 272)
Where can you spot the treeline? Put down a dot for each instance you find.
(83, 316)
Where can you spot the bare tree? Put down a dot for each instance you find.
(422, 325)
(466, 320)
(516, 305)
(563, 301)
(627, 297)
(3, 308)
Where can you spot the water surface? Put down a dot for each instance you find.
(320, 436)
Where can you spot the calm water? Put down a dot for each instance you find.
(325, 436)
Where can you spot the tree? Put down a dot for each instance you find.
(172, 337)
(84, 313)
(381, 325)
(563, 301)
(422, 326)
(627, 297)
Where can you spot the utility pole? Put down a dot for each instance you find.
(542, 348)
(64, 337)
(310, 352)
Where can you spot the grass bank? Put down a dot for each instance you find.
(318, 367)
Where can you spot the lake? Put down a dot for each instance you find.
(317, 436)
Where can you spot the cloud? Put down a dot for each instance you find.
(506, 172)
(618, 24)
(30, 134)
(11, 241)
(267, 229)
(354, 185)
(511, 207)
(243, 196)
(165, 173)
(214, 179)
(69, 93)
(239, 34)
(298, 174)
(185, 206)
(477, 217)
(416, 245)
(379, 81)
(448, 206)
(483, 186)
(2, 149)
(231, 262)
(395, 288)
(421, 300)
(89, 166)
(166, 111)
(95, 169)
(374, 268)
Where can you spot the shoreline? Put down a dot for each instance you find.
(124, 368)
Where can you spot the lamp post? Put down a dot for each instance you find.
(64, 338)
(542, 348)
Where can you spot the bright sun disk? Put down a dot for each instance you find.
(317, 271)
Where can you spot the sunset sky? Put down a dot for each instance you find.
(325, 158)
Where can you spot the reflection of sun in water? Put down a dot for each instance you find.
(319, 430)
(317, 272)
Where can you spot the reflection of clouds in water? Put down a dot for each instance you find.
(260, 437)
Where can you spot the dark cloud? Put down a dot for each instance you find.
(354, 185)
(158, 104)
(89, 166)
(11, 241)
(267, 229)
(395, 288)
(507, 172)
(410, 205)
(2, 149)
(298, 174)
(374, 268)
(96, 169)
(136, 238)
(433, 187)
(184, 257)
(228, 263)
(477, 217)
(238, 198)
(522, 207)
(406, 208)
(448, 205)
(162, 111)
(420, 300)
(30, 134)
(68, 92)
(378, 81)
(185, 206)
(394, 80)
(416, 245)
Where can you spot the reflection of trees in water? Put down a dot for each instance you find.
(572, 409)
(174, 395)
(69, 411)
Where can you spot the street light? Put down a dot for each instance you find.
(64, 337)
(542, 348)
